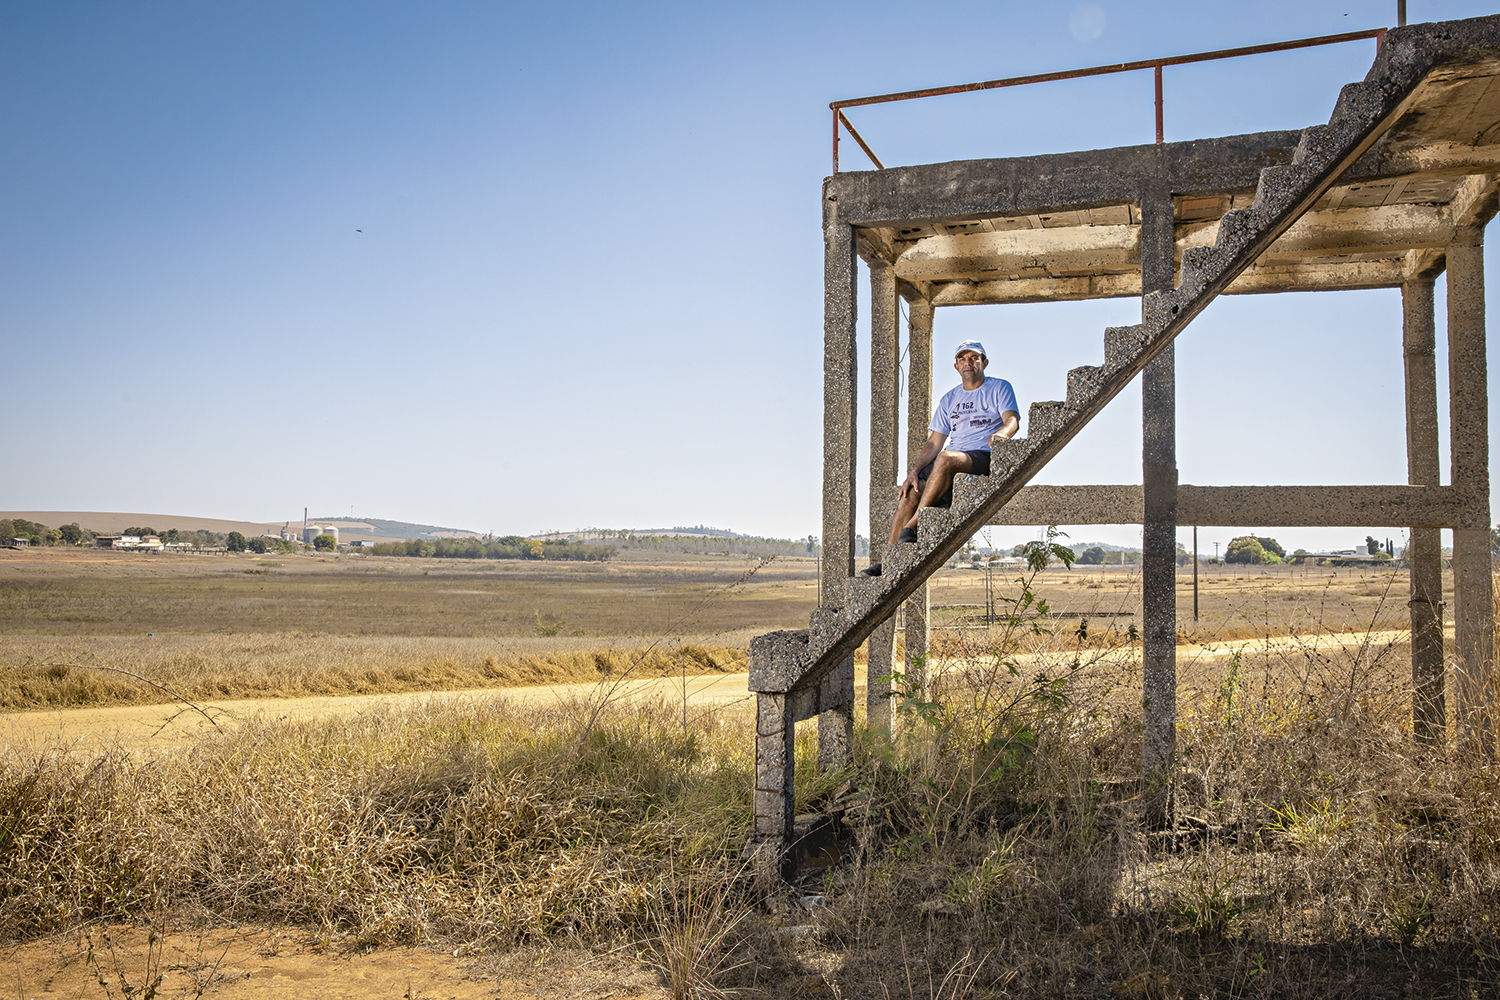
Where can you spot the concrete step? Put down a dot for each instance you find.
(1084, 384)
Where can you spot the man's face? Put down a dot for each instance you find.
(970, 364)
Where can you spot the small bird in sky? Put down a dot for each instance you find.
(359, 230)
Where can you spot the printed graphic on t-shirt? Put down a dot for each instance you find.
(969, 417)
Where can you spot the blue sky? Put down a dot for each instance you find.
(523, 267)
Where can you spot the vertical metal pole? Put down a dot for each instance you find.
(1161, 132)
(1159, 532)
(885, 440)
(840, 425)
(1468, 423)
(835, 141)
(1400, 13)
(1424, 552)
(1195, 573)
(918, 416)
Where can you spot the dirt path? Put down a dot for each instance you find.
(250, 962)
(174, 725)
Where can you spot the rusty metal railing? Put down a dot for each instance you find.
(1157, 65)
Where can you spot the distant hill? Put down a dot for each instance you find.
(379, 528)
(115, 522)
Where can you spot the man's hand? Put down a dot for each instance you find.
(996, 438)
(908, 486)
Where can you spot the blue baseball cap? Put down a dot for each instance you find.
(970, 345)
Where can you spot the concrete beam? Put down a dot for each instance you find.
(1077, 253)
(1037, 185)
(1318, 275)
(1092, 249)
(1257, 506)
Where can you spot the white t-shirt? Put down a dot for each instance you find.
(970, 416)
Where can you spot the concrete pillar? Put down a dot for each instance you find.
(1468, 422)
(918, 416)
(885, 438)
(1159, 531)
(840, 395)
(775, 767)
(1424, 549)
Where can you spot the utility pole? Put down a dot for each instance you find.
(1195, 573)
(1400, 13)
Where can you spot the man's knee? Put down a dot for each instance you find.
(952, 461)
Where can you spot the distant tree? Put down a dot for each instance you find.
(141, 532)
(7, 532)
(257, 545)
(1017, 551)
(1092, 556)
(1298, 557)
(325, 543)
(1272, 546)
(71, 533)
(1371, 545)
(235, 542)
(1246, 550)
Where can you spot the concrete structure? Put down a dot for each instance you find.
(1393, 190)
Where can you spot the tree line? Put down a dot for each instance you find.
(488, 547)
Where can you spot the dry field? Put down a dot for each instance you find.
(248, 627)
(993, 845)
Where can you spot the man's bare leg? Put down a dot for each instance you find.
(947, 465)
(910, 503)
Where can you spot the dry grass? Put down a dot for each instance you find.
(56, 592)
(56, 673)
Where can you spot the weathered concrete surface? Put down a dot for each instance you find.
(885, 439)
(1265, 506)
(1159, 534)
(918, 416)
(1468, 422)
(1423, 552)
(840, 397)
(775, 760)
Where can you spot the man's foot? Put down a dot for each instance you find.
(871, 570)
(907, 536)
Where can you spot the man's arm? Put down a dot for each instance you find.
(935, 442)
(1010, 422)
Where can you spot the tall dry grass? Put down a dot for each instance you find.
(83, 672)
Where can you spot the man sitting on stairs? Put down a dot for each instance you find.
(970, 418)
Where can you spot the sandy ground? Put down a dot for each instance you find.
(252, 962)
(175, 725)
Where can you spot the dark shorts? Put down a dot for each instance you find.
(981, 460)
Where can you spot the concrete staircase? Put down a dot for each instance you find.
(798, 673)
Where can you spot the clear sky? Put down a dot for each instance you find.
(518, 267)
